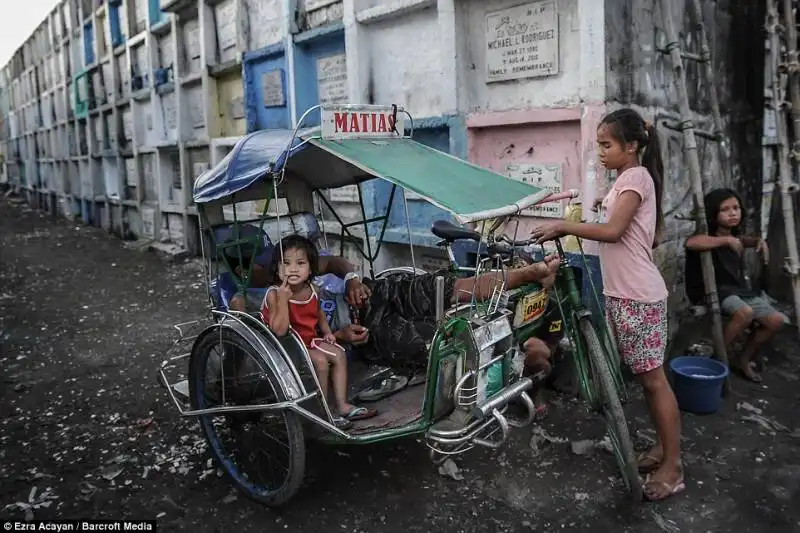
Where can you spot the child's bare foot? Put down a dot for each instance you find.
(665, 482)
(746, 371)
(353, 412)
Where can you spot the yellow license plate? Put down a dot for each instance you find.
(533, 305)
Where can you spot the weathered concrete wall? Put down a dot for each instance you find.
(405, 62)
(318, 13)
(546, 120)
(639, 76)
(562, 90)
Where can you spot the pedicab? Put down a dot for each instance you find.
(256, 395)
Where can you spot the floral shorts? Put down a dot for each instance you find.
(641, 330)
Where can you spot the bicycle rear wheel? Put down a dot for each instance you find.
(611, 407)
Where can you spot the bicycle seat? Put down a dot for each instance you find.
(450, 232)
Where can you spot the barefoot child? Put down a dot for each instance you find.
(635, 293)
(295, 303)
(738, 300)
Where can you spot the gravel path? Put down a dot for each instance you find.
(85, 431)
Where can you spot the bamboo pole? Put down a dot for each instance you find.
(769, 143)
(724, 154)
(785, 174)
(690, 147)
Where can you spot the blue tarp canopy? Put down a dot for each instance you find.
(252, 157)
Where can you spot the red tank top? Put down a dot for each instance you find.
(303, 316)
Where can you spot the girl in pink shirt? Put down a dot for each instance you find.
(635, 293)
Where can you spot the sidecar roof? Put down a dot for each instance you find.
(467, 191)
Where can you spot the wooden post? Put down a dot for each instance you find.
(787, 188)
(690, 147)
(724, 153)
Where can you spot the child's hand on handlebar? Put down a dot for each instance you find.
(547, 231)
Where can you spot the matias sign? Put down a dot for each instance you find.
(353, 122)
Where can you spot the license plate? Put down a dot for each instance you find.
(533, 305)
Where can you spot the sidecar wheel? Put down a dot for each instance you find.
(226, 369)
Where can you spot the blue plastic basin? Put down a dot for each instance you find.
(697, 382)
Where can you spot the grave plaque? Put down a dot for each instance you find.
(522, 42)
(332, 79)
(272, 85)
(542, 176)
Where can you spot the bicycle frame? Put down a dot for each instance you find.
(571, 308)
(575, 312)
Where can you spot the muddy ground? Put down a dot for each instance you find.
(85, 430)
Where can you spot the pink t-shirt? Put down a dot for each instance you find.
(627, 265)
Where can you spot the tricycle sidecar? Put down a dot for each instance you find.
(254, 392)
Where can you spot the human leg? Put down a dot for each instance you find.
(402, 308)
(485, 284)
(537, 363)
(769, 321)
(537, 356)
(641, 331)
(401, 320)
(667, 478)
(336, 359)
(322, 367)
(741, 316)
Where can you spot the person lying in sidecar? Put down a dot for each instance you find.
(396, 314)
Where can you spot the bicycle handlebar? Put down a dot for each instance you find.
(555, 197)
(569, 194)
(509, 240)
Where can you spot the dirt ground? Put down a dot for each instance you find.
(86, 432)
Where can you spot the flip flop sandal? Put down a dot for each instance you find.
(341, 422)
(653, 464)
(671, 490)
(359, 413)
(387, 387)
(417, 379)
(317, 343)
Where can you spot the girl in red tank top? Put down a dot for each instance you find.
(295, 303)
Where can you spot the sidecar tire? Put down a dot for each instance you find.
(295, 470)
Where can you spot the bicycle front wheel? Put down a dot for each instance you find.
(605, 385)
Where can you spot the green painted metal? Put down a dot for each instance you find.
(446, 181)
(445, 344)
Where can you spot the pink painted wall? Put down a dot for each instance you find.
(551, 136)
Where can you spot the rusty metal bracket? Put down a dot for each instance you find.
(675, 124)
(691, 217)
(791, 187)
(700, 58)
(790, 268)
